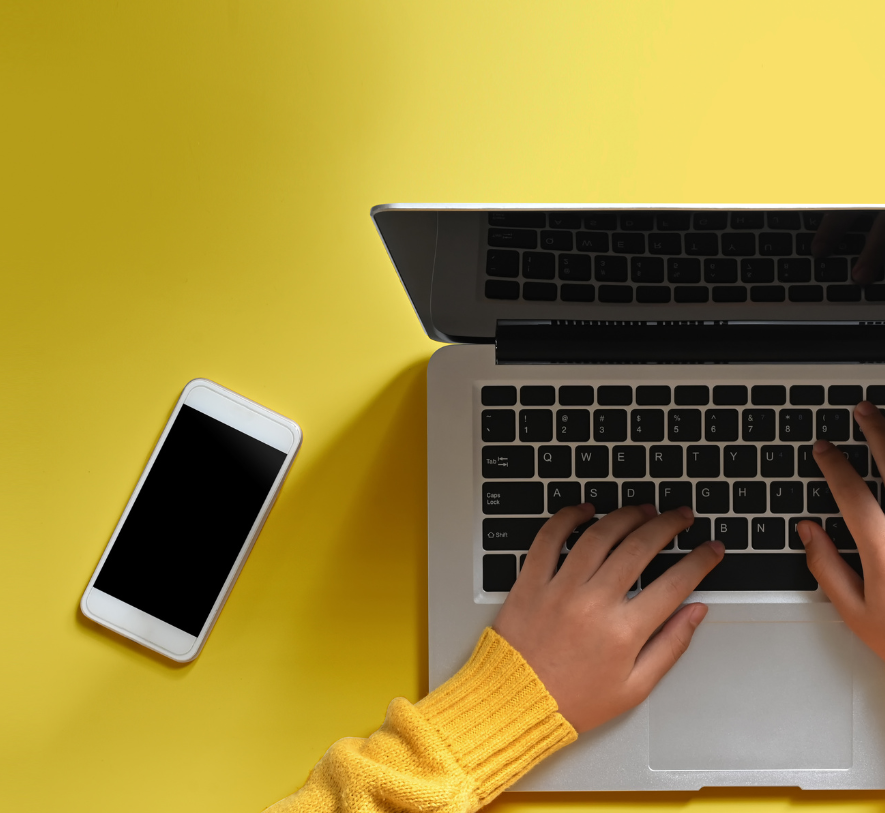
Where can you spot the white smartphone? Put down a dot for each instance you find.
(189, 525)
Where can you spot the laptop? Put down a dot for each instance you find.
(674, 355)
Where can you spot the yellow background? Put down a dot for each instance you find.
(184, 191)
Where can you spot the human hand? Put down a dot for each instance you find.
(860, 602)
(833, 228)
(593, 648)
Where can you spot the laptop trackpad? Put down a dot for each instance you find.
(756, 696)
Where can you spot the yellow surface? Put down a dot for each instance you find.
(184, 191)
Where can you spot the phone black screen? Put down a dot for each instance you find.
(190, 520)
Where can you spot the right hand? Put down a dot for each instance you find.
(597, 652)
(860, 602)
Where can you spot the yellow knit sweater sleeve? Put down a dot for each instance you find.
(451, 752)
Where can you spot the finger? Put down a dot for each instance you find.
(657, 657)
(832, 228)
(869, 264)
(543, 556)
(589, 552)
(657, 601)
(872, 424)
(858, 506)
(625, 565)
(834, 575)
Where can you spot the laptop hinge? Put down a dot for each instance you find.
(593, 342)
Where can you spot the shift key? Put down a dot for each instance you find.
(513, 498)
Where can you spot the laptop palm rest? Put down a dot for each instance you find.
(740, 698)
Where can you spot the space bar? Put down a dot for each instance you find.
(745, 571)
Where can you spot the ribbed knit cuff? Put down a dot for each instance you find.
(496, 716)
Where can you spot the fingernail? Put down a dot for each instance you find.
(860, 274)
(649, 509)
(686, 512)
(865, 408)
(804, 533)
(716, 545)
(697, 615)
(821, 446)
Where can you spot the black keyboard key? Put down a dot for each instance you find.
(615, 395)
(569, 292)
(673, 221)
(738, 245)
(692, 395)
(592, 241)
(820, 499)
(652, 294)
(576, 395)
(665, 461)
(513, 498)
(712, 497)
(794, 269)
(573, 425)
(850, 244)
(806, 395)
(784, 220)
(654, 395)
(603, 496)
(793, 539)
(637, 221)
(502, 263)
(615, 293)
(786, 496)
(647, 269)
(812, 220)
(498, 396)
(513, 238)
(858, 456)
(556, 240)
(687, 294)
(874, 293)
(539, 291)
(498, 425)
(732, 532)
(628, 243)
(536, 425)
(695, 535)
(674, 495)
(804, 241)
(510, 533)
(845, 394)
(702, 461)
(637, 494)
(664, 244)
(610, 425)
(768, 394)
(740, 461)
(611, 269)
(524, 220)
(795, 424)
(768, 293)
(768, 533)
(833, 424)
(757, 270)
(683, 270)
(744, 571)
(720, 425)
(806, 293)
(508, 461)
(574, 267)
(758, 425)
(498, 289)
(684, 425)
(647, 425)
(876, 394)
(807, 464)
(591, 461)
(554, 461)
(560, 495)
(729, 294)
(628, 461)
(730, 395)
(843, 293)
(777, 461)
(831, 269)
(701, 245)
(498, 572)
(537, 395)
(837, 530)
(564, 220)
(747, 220)
(720, 270)
(749, 497)
(707, 221)
(774, 244)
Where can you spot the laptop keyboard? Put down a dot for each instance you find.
(661, 257)
(738, 455)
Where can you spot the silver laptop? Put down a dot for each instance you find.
(674, 355)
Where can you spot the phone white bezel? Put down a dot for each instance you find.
(239, 413)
